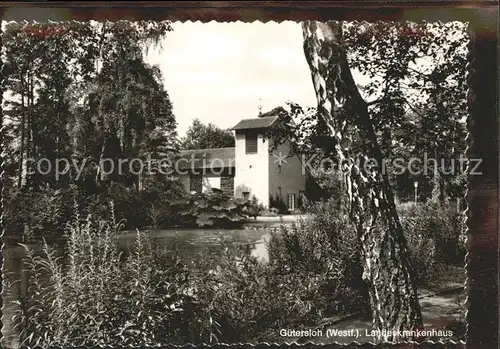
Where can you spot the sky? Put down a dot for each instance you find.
(222, 72)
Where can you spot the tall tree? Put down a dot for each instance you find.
(53, 67)
(201, 136)
(417, 96)
(387, 269)
(413, 74)
(130, 116)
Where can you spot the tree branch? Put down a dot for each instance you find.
(412, 107)
(419, 72)
(377, 101)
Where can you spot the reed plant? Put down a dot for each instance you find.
(92, 292)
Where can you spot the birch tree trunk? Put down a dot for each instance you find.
(387, 268)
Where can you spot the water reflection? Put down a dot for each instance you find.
(191, 245)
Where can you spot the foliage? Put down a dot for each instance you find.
(37, 213)
(277, 203)
(412, 75)
(323, 243)
(103, 296)
(417, 93)
(250, 301)
(254, 208)
(213, 209)
(46, 213)
(326, 239)
(109, 294)
(435, 233)
(201, 136)
(440, 223)
(81, 91)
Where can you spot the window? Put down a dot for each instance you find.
(251, 143)
(195, 183)
(246, 195)
(291, 201)
(210, 183)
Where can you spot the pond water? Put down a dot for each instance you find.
(191, 241)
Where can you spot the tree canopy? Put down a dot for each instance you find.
(412, 76)
(203, 136)
(82, 91)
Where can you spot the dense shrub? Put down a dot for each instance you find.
(249, 300)
(440, 223)
(106, 294)
(323, 243)
(277, 203)
(326, 240)
(46, 213)
(40, 213)
(138, 208)
(254, 208)
(213, 210)
(102, 296)
(436, 236)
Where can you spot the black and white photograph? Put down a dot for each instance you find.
(169, 182)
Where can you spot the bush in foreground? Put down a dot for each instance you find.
(249, 300)
(326, 240)
(102, 296)
(440, 222)
(324, 243)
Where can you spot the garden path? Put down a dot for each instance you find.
(439, 309)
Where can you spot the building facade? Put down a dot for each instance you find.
(250, 169)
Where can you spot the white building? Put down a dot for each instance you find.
(249, 169)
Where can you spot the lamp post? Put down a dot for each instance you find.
(415, 185)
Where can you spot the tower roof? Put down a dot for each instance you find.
(262, 122)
